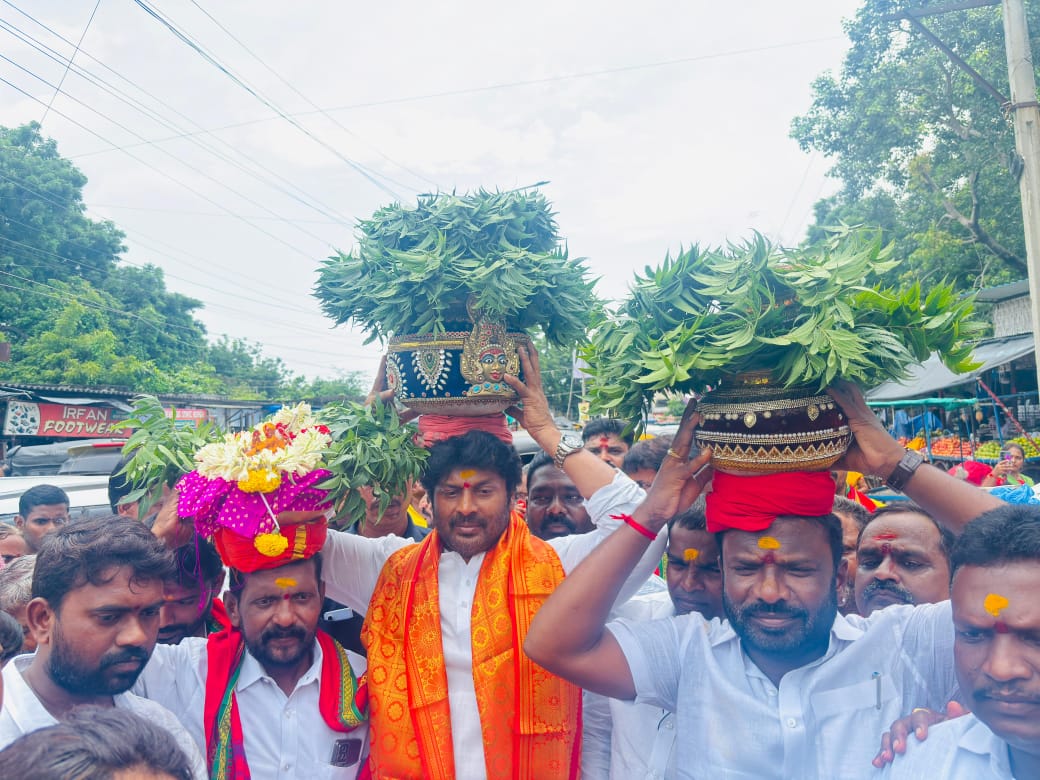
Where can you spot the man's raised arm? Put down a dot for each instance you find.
(568, 635)
(951, 501)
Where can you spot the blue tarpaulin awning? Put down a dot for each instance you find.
(932, 375)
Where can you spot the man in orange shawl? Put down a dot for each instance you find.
(451, 693)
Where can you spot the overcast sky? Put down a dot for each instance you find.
(657, 124)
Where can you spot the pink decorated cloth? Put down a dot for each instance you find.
(218, 503)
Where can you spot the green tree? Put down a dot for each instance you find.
(349, 386)
(920, 149)
(76, 315)
(244, 371)
(557, 364)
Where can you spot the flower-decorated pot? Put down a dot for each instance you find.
(755, 427)
(458, 372)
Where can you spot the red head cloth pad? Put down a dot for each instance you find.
(238, 552)
(752, 503)
(438, 427)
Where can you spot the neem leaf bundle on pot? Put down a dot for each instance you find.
(454, 283)
(370, 447)
(768, 329)
(159, 451)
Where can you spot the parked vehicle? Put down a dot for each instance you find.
(96, 457)
(38, 459)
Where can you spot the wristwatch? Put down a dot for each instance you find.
(904, 470)
(569, 443)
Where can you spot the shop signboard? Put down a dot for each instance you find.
(62, 421)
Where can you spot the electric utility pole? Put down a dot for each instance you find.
(1025, 112)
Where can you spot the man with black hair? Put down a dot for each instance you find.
(42, 510)
(97, 591)
(786, 686)
(605, 438)
(903, 557)
(555, 506)
(270, 695)
(996, 575)
(644, 458)
(854, 518)
(93, 743)
(191, 603)
(452, 611)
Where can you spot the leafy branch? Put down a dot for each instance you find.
(808, 316)
(370, 447)
(416, 269)
(159, 451)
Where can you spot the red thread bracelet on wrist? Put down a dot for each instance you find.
(631, 523)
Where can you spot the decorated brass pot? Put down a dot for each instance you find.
(458, 372)
(755, 427)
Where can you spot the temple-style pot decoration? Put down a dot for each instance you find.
(458, 372)
(756, 427)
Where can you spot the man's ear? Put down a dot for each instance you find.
(842, 574)
(321, 590)
(127, 510)
(41, 619)
(19, 521)
(231, 605)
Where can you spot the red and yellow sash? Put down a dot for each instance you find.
(530, 719)
(342, 700)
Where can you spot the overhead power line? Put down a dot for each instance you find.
(184, 38)
(273, 179)
(310, 102)
(523, 83)
(66, 72)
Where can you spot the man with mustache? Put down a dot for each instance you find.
(191, 606)
(555, 506)
(97, 591)
(902, 558)
(786, 686)
(270, 695)
(452, 695)
(996, 574)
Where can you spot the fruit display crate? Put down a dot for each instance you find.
(992, 461)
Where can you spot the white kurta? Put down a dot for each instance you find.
(352, 568)
(285, 736)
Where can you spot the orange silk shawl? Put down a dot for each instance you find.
(530, 719)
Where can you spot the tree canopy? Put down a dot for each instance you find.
(76, 314)
(922, 149)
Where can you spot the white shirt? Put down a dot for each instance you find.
(623, 740)
(353, 564)
(959, 749)
(23, 713)
(824, 720)
(285, 736)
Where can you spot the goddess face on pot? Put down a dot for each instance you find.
(492, 363)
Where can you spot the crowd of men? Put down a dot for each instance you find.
(606, 627)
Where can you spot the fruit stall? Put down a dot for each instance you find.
(931, 435)
(943, 445)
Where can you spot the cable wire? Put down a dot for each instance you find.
(66, 73)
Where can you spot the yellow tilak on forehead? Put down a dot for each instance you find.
(994, 604)
(691, 554)
(285, 582)
(768, 543)
(467, 473)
